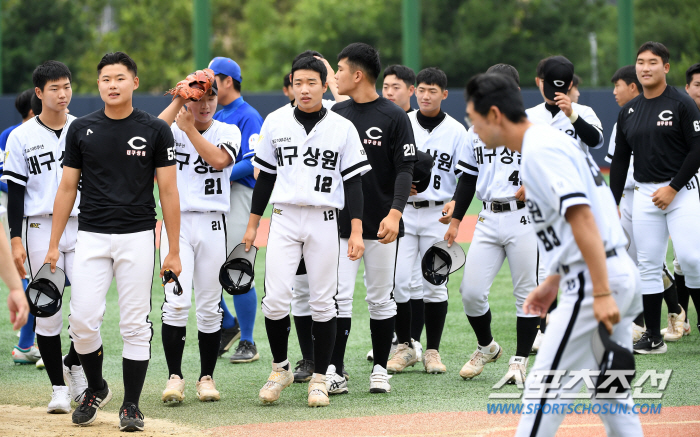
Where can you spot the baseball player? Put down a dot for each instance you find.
(287, 88)
(114, 153)
(582, 244)
(574, 93)
(387, 136)
(662, 128)
(441, 136)
(503, 230)
(238, 112)
(205, 150)
(313, 159)
(35, 154)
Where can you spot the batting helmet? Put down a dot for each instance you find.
(45, 292)
(616, 362)
(237, 273)
(439, 261)
(422, 171)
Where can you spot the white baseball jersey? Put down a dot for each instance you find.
(629, 182)
(444, 144)
(309, 168)
(540, 115)
(557, 176)
(34, 159)
(498, 169)
(202, 187)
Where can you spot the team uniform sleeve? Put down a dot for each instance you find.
(265, 155)
(250, 131)
(689, 115)
(611, 146)
(404, 147)
(354, 159)
(466, 161)
(15, 166)
(229, 139)
(165, 146)
(589, 116)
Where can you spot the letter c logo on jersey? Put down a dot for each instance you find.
(134, 146)
(373, 137)
(665, 117)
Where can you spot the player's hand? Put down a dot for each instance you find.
(413, 190)
(249, 237)
(605, 310)
(51, 258)
(663, 197)
(447, 212)
(540, 299)
(330, 75)
(185, 119)
(452, 232)
(389, 227)
(19, 308)
(356, 246)
(564, 103)
(19, 255)
(520, 194)
(172, 263)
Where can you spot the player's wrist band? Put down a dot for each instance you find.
(602, 294)
(573, 117)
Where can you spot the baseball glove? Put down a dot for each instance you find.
(194, 86)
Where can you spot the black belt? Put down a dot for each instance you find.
(609, 254)
(504, 206)
(425, 204)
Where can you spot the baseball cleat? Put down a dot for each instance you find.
(228, 336)
(26, 356)
(432, 362)
(379, 380)
(60, 400)
(130, 418)
(418, 348)
(335, 384)
(40, 364)
(206, 390)
(676, 327)
(647, 346)
(318, 393)
(174, 390)
(75, 380)
(278, 380)
(637, 332)
(480, 357)
(346, 375)
(303, 371)
(403, 357)
(246, 352)
(517, 371)
(370, 355)
(537, 343)
(92, 400)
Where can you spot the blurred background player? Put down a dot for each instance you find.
(287, 88)
(574, 93)
(238, 112)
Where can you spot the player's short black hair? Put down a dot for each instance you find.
(506, 69)
(236, 84)
(23, 102)
(575, 81)
(117, 58)
(540, 66)
(36, 104)
(50, 71)
(690, 72)
(311, 63)
(628, 73)
(432, 76)
(287, 82)
(406, 74)
(657, 49)
(306, 54)
(361, 56)
(494, 89)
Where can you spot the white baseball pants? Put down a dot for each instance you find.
(202, 252)
(626, 205)
(128, 258)
(566, 346)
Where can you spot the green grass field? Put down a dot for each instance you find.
(412, 391)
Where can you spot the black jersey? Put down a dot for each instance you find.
(118, 159)
(387, 136)
(661, 132)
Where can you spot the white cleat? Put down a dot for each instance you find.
(480, 357)
(537, 343)
(379, 380)
(517, 371)
(60, 400)
(335, 384)
(75, 380)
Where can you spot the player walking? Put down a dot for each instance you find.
(305, 155)
(662, 128)
(114, 152)
(204, 150)
(443, 137)
(35, 155)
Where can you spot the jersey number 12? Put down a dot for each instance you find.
(323, 185)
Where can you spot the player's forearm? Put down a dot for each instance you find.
(354, 198)
(402, 187)
(15, 208)
(242, 168)
(464, 194)
(590, 136)
(261, 193)
(8, 272)
(618, 173)
(62, 206)
(689, 167)
(170, 204)
(168, 115)
(356, 227)
(589, 242)
(214, 156)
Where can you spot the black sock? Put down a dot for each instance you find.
(403, 323)
(278, 336)
(482, 328)
(71, 358)
(303, 328)
(134, 374)
(640, 319)
(683, 294)
(671, 298)
(92, 367)
(173, 347)
(652, 313)
(342, 333)
(50, 348)
(526, 330)
(382, 331)
(208, 352)
(435, 314)
(695, 294)
(417, 318)
(323, 334)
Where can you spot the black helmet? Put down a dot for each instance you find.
(237, 273)
(45, 292)
(614, 361)
(439, 261)
(422, 171)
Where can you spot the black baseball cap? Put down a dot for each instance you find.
(611, 358)
(440, 261)
(558, 74)
(237, 273)
(45, 292)
(422, 171)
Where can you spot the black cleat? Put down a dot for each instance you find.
(228, 336)
(130, 418)
(92, 400)
(303, 371)
(648, 345)
(246, 352)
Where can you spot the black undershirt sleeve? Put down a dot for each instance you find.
(262, 192)
(589, 134)
(354, 199)
(620, 164)
(690, 166)
(15, 208)
(402, 186)
(466, 187)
